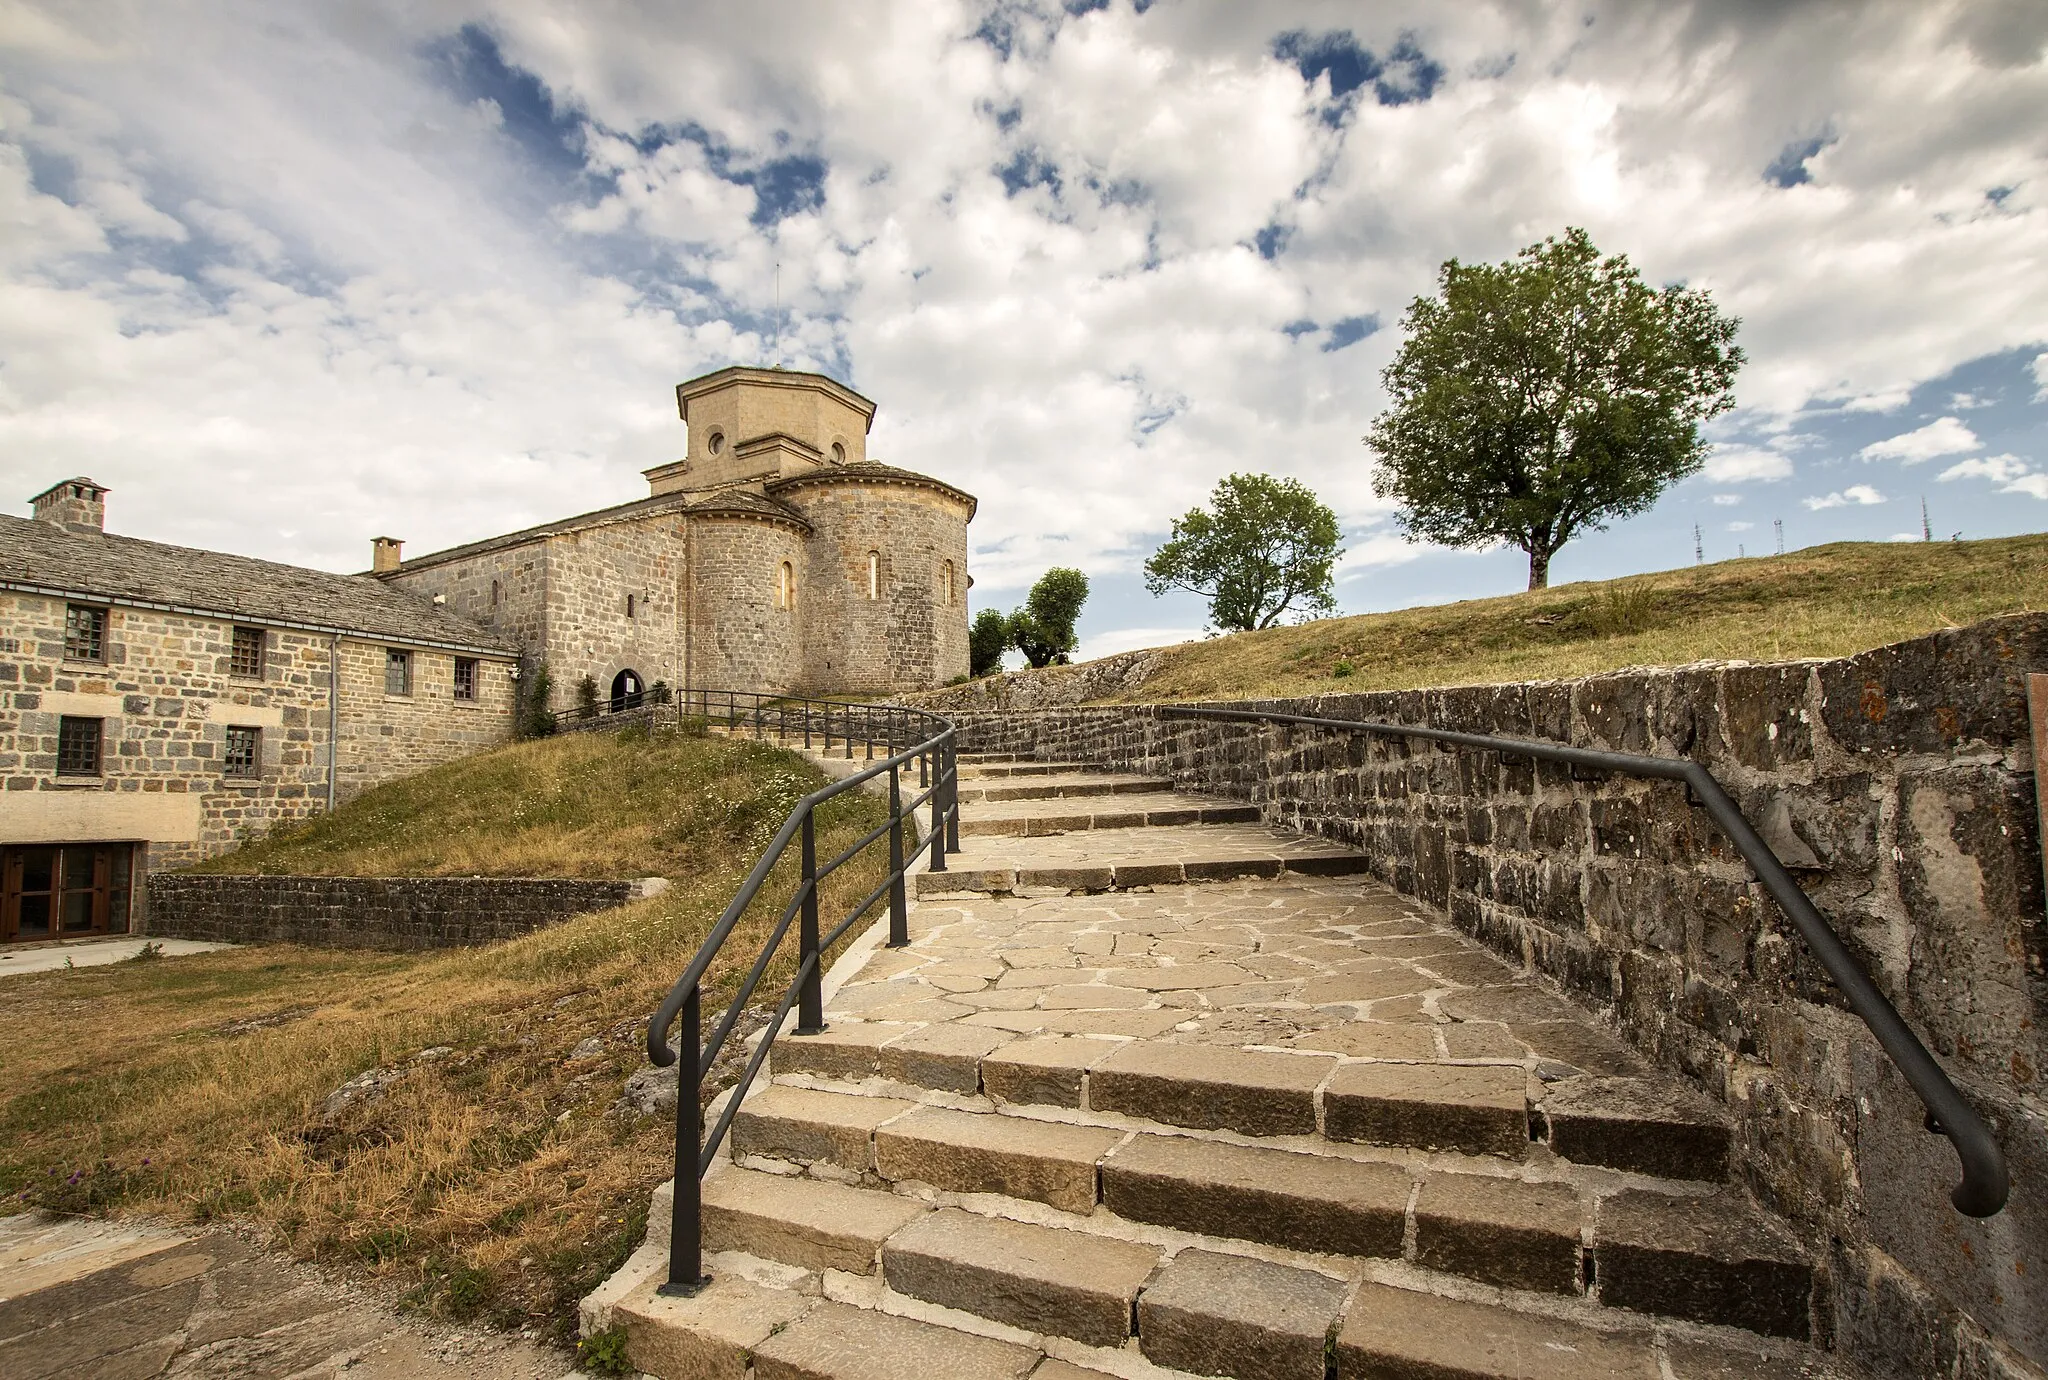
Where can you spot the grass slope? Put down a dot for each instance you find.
(1821, 602)
(489, 1181)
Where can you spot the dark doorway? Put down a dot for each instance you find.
(63, 890)
(627, 691)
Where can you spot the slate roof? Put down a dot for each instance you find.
(869, 472)
(744, 501)
(42, 558)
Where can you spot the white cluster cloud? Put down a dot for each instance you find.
(1861, 495)
(2011, 474)
(285, 277)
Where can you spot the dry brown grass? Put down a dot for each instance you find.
(489, 1182)
(1821, 602)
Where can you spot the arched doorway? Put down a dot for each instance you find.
(627, 691)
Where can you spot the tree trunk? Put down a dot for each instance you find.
(1539, 570)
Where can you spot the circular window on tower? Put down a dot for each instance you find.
(838, 453)
(716, 442)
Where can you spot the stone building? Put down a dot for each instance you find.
(774, 556)
(159, 704)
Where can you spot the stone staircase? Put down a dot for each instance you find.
(1158, 1091)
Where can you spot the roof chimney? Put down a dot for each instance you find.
(384, 554)
(76, 505)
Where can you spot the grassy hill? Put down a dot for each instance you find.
(1820, 602)
(490, 1179)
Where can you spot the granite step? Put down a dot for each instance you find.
(984, 771)
(1121, 858)
(1075, 786)
(1033, 818)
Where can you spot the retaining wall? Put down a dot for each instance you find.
(370, 912)
(1898, 785)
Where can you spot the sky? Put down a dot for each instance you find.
(286, 277)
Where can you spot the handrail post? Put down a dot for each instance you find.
(810, 1016)
(685, 1243)
(952, 797)
(849, 733)
(939, 822)
(867, 729)
(899, 906)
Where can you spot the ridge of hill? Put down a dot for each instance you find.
(1823, 601)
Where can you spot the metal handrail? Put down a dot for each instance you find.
(1985, 1183)
(889, 726)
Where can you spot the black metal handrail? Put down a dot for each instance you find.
(1983, 1190)
(892, 728)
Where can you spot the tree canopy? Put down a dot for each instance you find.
(1543, 397)
(1265, 547)
(987, 640)
(1044, 628)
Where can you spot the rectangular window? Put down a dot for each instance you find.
(629, 606)
(246, 659)
(50, 891)
(465, 678)
(245, 752)
(397, 672)
(78, 746)
(85, 633)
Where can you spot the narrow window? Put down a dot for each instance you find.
(785, 587)
(245, 659)
(465, 678)
(85, 633)
(78, 746)
(629, 606)
(946, 582)
(874, 574)
(245, 752)
(397, 672)
(494, 594)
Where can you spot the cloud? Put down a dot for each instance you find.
(1946, 436)
(1727, 500)
(2011, 474)
(2040, 369)
(1855, 494)
(1131, 639)
(1376, 551)
(1741, 526)
(1741, 464)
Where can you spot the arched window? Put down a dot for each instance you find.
(874, 574)
(946, 583)
(785, 587)
(494, 594)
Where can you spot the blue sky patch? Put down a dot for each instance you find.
(1029, 169)
(1788, 169)
(476, 68)
(1350, 331)
(1272, 241)
(1406, 73)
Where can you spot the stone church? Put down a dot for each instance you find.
(159, 703)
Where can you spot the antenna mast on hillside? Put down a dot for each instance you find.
(1779, 523)
(1926, 527)
(1699, 546)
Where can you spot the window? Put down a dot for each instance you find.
(838, 453)
(946, 583)
(246, 659)
(716, 443)
(465, 678)
(85, 633)
(629, 606)
(78, 746)
(785, 587)
(47, 891)
(245, 752)
(397, 672)
(494, 594)
(874, 574)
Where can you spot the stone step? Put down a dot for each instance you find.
(977, 1152)
(993, 770)
(1040, 1279)
(832, 1341)
(969, 758)
(806, 1127)
(811, 1223)
(963, 875)
(1399, 1332)
(1064, 787)
(1032, 818)
(1228, 1315)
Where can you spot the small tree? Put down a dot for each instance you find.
(987, 640)
(1268, 548)
(536, 720)
(1044, 628)
(1543, 397)
(586, 698)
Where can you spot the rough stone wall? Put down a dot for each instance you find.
(1899, 787)
(739, 638)
(1047, 687)
(401, 913)
(590, 573)
(520, 574)
(907, 637)
(383, 737)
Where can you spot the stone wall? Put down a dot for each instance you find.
(1898, 785)
(740, 636)
(383, 736)
(907, 635)
(400, 913)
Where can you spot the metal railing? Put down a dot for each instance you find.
(1983, 1190)
(908, 738)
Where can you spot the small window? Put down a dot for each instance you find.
(716, 443)
(838, 453)
(245, 752)
(397, 672)
(78, 746)
(246, 658)
(494, 594)
(874, 574)
(946, 583)
(85, 633)
(629, 605)
(785, 587)
(465, 678)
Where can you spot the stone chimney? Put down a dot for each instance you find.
(76, 505)
(384, 554)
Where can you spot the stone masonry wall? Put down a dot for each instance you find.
(906, 637)
(739, 638)
(1898, 785)
(518, 575)
(371, 912)
(385, 736)
(590, 573)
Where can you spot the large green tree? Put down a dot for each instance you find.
(1546, 396)
(987, 640)
(1044, 628)
(1264, 547)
